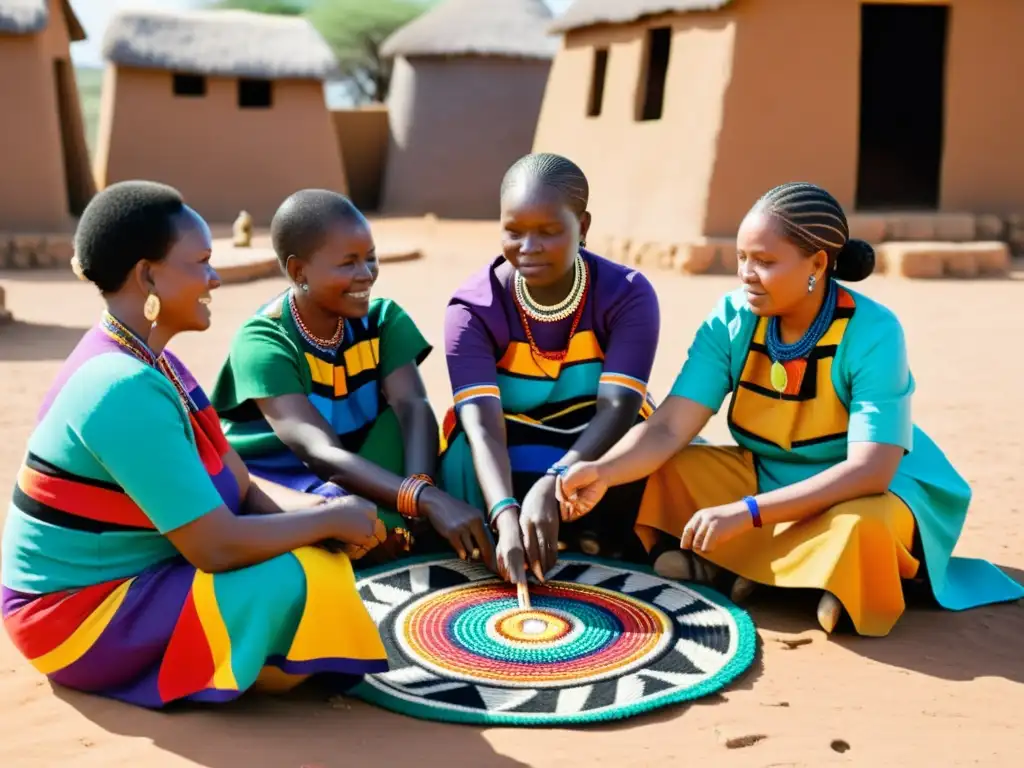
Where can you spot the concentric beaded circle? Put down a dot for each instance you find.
(599, 642)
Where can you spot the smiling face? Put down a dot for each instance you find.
(541, 233)
(184, 278)
(341, 272)
(775, 273)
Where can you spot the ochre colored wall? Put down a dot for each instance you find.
(457, 124)
(222, 158)
(362, 136)
(33, 193)
(766, 92)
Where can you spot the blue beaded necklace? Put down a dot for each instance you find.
(783, 353)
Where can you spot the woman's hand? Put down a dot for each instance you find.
(510, 555)
(539, 524)
(714, 526)
(462, 525)
(579, 490)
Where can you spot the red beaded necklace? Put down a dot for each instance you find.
(327, 345)
(560, 355)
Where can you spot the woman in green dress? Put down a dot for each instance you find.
(321, 391)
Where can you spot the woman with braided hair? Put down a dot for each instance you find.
(549, 349)
(831, 486)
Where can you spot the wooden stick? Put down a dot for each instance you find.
(524, 596)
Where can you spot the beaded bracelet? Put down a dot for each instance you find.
(409, 494)
(754, 509)
(499, 507)
(557, 470)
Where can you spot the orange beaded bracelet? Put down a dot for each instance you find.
(409, 493)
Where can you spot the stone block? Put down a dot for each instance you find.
(1015, 233)
(59, 251)
(930, 260)
(5, 315)
(956, 227)
(913, 260)
(643, 255)
(989, 227)
(696, 258)
(993, 258)
(872, 227)
(911, 227)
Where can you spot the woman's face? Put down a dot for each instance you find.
(775, 273)
(184, 278)
(341, 273)
(541, 234)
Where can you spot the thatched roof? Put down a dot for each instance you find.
(28, 17)
(506, 28)
(224, 43)
(588, 13)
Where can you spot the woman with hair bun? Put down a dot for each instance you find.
(831, 486)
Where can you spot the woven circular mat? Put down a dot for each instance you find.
(600, 642)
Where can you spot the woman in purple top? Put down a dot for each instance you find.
(549, 350)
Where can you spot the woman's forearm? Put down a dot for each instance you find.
(846, 481)
(269, 498)
(646, 447)
(419, 436)
(610, 424)
(493, 469)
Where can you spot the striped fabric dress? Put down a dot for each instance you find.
(270, 357)
(97, 598)
(548, 403)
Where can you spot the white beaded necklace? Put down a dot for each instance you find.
(555, 312)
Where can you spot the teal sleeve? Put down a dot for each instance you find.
(401, 342)
(139, 433)
(706, 376)
(264, 363)
(881, 385)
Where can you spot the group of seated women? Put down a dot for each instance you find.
(167, 545)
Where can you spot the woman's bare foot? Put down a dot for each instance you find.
(829, 611)
(680, 565)
(741, 590)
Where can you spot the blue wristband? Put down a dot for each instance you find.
(755, 511)
(557, 470)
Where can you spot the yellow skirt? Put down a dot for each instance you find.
(859, 550)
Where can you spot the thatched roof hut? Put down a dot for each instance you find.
(466, 89)
(232, 100)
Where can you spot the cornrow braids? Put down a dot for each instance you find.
(813, 220)
(552, 171)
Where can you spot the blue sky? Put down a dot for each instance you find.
(94, 15)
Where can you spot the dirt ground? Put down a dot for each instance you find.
(942, 689)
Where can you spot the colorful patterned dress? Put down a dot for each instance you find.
(270, 357)
(97, 597)
(855, 386)
(548, 404)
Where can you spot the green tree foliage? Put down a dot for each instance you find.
(355, 30)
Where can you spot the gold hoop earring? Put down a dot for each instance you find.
(151, 309)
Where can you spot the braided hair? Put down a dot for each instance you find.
(814, 221)
(553, 171)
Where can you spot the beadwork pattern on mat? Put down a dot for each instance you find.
(601, 641)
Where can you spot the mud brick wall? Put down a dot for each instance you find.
(21, 251)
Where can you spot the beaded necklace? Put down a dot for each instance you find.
(555, 312)
(136, 347)
(324, 345)
(783, 353)
(524, 319)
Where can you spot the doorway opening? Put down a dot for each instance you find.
(79, 184)
(902, 105)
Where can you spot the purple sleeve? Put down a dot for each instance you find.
(472, 367)
(634, 321)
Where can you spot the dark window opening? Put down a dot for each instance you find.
(254, 94)
(597, 77)
(902, 95)
(189, 85)
(659, 45)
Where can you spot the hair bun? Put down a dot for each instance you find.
(855, 261)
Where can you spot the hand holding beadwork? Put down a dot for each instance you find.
(539, 523)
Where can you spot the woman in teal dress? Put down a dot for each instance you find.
(831, 486)
(322, 393)
(140, 560)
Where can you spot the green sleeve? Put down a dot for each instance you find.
(139, 432)
(881, 385)
(401, 342)
(264, 362)
(706, 376)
